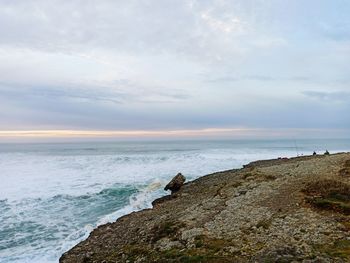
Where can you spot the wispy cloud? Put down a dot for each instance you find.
(125, 93)
(343, 96)
(261, 78)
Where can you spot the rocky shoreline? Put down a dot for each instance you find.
(282, 210)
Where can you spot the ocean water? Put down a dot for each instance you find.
(53, 195)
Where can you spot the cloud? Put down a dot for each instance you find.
(340, 96)
(241, 78)
(120, 93)
(173, 64)
(232, 25)
(260, 78)
(205, 31)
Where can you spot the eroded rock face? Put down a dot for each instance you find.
(176, 183)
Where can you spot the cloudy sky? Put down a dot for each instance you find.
(254, 66)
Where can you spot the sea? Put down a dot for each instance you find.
(52, 195)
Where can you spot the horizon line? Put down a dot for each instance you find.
(237, 131)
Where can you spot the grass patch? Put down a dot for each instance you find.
(329, 195)
(207, 250)
(166, 229)
(247, 175)
(136, 250)
(331, 204)
(346, 170)
(213, 245)
(328, 187)
(198, 241)
(184, 256)
(191, 256)
(347, 163)
(346, 224)
(265, 223)
(340, 248)
(270, 177)
(194, 255)
(285, 254)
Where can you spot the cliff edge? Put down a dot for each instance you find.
(283, 210)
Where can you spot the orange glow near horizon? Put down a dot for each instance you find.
(208, 132)
(130, 133)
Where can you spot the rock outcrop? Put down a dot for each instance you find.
(176, 183)
(292, 210)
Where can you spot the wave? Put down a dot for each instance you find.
(64, 220)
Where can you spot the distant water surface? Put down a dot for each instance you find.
(53, 195)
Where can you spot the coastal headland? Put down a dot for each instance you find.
(281, 210)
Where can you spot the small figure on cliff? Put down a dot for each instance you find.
(176, 183)
(314, 153)
(326, 153)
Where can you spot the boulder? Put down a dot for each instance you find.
(176, 183)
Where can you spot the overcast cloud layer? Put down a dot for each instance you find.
(184, 64)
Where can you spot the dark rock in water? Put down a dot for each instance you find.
(314, 153)
(176, 183)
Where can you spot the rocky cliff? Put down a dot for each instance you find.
(283, 210)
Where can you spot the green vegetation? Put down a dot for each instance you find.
(270, 177)
(346, 170)
(248, 174)
(331, 204)
(347, 163)
(205, 254)
(166, 229)
(265, 223)
(184, 256)
(202, 255)
(340, 248)
(329, 195)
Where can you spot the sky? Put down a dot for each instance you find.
(174, 68)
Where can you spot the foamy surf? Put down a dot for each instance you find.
(138, 201)
(141, 200)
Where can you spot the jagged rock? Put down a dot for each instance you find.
(176, 183)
